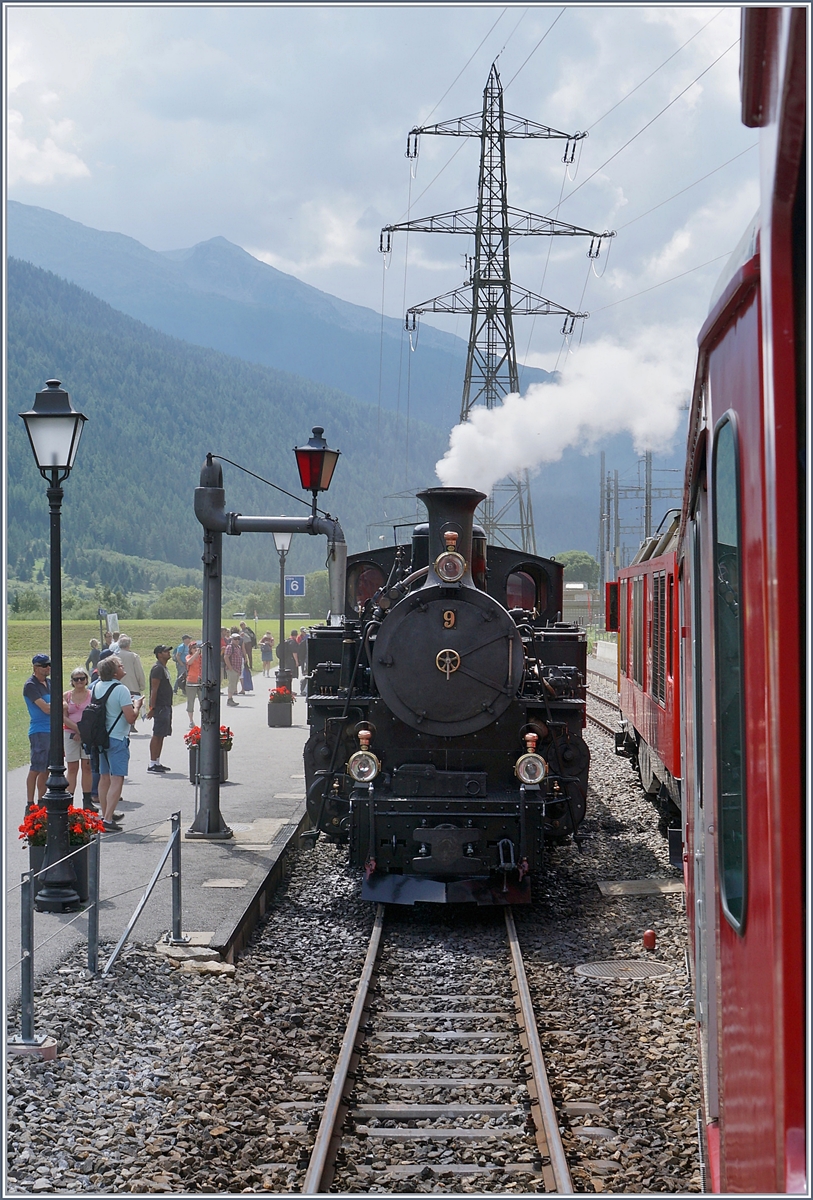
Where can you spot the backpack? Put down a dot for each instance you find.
(252, 637)
(92, 724)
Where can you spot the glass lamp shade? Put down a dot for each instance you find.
(316, 462)
(54, 428)
(282, 541)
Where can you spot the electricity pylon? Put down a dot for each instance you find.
(489, 296)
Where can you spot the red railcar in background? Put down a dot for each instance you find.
(648, 647)
(735, 627)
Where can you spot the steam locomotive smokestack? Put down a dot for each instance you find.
(451, 510)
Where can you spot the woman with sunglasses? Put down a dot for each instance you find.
(74, 703)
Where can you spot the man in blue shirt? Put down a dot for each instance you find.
(179, 656)
(37, 696)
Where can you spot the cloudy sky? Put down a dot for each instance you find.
(282, 128)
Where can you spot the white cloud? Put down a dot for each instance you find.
(29, 162)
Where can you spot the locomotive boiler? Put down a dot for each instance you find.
(446, 715)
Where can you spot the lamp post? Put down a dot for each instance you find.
(54, 429)
(282, 541)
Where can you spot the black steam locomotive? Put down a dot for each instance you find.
(446, 715)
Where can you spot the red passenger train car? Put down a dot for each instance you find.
(726, 609)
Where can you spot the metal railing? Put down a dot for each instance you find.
(27, 1037)
(176, 938)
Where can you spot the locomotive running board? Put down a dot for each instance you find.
(410, 889)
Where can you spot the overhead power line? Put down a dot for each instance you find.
(655, 72)
(688, 187)
(663, 282)
(650, 122)
(460, 72)
(536, 47)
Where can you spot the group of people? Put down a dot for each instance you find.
(114, 675)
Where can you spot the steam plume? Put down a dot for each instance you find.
(639, 387)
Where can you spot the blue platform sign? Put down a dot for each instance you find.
(294, 585)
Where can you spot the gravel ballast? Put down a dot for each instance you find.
(169, 1080)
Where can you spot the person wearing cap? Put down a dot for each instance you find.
(160, 710)
(233, 655)
(37, 696)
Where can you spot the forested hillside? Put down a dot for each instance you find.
(217, 295)
(155, 406)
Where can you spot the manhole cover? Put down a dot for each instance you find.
(622, 968)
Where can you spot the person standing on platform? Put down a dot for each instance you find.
(133, 677)
(160, 709)
(179, 658)
(74, 702)
(37, 696)
(194, 662)
(114, 761)
(267, 654)
(234, 665)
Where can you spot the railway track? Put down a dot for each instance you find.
(603, 700)
(440, 1074)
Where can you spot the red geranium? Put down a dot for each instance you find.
(83, 823)
(192, 738)
(281, 695)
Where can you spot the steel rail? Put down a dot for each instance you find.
(547, 1110)
(601, 725)
(332, 1116)
(603, 700)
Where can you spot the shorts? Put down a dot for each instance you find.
(73, 747)
(40, 747)
(116, 758)
(162, 722)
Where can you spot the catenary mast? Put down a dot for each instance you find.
(489, 296)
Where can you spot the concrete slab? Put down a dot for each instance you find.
(639, 887)
(259, 802)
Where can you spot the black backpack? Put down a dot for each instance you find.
(92, 724)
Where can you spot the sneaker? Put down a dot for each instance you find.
(109, 827)
(158, 769)
(232, 704)
(118, 816)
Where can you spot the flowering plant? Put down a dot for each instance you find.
(281, 695)
(192, 738)
(82, 824)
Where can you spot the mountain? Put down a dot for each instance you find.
(155, 406)
(217, 295)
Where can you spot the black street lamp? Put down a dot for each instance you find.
(282, 541)
(54, 429)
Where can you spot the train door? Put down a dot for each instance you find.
(703, 866)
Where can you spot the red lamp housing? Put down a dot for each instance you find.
(316, 463)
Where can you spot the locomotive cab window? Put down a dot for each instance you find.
(363, 581)
(521, 591)
(728, 650)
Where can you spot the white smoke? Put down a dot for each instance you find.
(639, 387)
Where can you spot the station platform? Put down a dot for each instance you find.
(263, 802)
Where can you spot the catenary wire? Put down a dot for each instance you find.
(655, 72)
(650, 122)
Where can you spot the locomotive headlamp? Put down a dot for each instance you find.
(531, 767)
(363, 766)
(450, 566)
